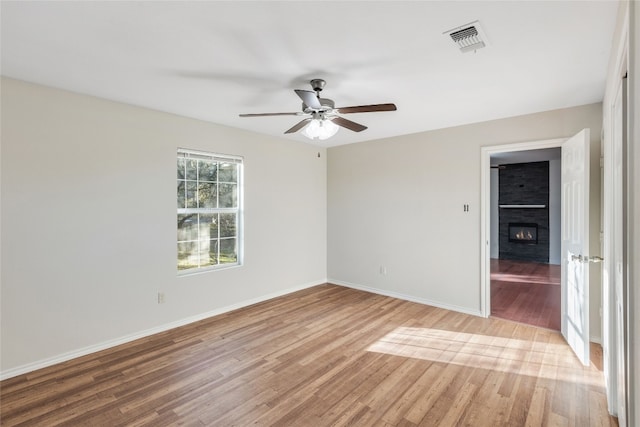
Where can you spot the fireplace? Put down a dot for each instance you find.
(523, 232)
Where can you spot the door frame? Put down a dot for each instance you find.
(614, 276)
(618, 388)
(485, 209)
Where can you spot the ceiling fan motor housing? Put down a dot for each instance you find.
(326, 103)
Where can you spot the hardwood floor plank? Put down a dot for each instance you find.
(425, 402)
(462, 400)
(526, 292)
(396, 412)
(353, 415)
(537, 411)
(323, 356)
(387, 392)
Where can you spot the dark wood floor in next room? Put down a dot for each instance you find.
(526, 292)
(327, 355)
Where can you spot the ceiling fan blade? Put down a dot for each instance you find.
(367, 108)
(341, 121)
(309, 98)
(298, 126)
(268, 114)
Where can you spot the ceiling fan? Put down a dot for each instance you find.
(321, 115)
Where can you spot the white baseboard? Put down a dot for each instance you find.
(392, 294)
(29, 367)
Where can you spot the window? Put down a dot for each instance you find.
(209, 211)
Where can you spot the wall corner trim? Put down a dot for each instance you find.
(410, 298)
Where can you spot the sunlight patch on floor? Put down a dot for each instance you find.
(537, 359)
(525, 278)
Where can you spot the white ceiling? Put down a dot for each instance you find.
(214, 60)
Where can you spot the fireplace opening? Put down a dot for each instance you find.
(523, 232)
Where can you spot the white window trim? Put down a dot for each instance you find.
(239, 160)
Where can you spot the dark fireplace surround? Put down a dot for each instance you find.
(524, 211)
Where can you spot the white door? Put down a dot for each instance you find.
(575, 244)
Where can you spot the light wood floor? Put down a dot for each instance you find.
(527, 292)
(327, 355)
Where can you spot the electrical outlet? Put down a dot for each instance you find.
(383, 270)
(160, 297)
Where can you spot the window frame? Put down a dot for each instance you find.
(189, 154)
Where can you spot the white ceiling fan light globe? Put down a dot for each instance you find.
(311, 130)
(327, 129)
(320, 129)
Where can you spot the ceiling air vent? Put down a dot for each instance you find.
(468, 37)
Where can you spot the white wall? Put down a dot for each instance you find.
(398, 203)
(89, 222)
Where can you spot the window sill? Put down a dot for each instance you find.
(196, 271)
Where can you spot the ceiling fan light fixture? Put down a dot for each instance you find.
(322, 120)
(320, 129)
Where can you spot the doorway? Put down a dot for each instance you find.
(525, 271)
(574, 249)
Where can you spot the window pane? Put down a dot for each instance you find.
(181, 167)
(187, 227)
(187, 255)
(208, 253)
(181, 195)
(208, 226)
(228, 197)
(227, 172)
(207, 171)
(192, 169)
(192, 202)
(227, 225)
(207, 195)
(228, 252)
